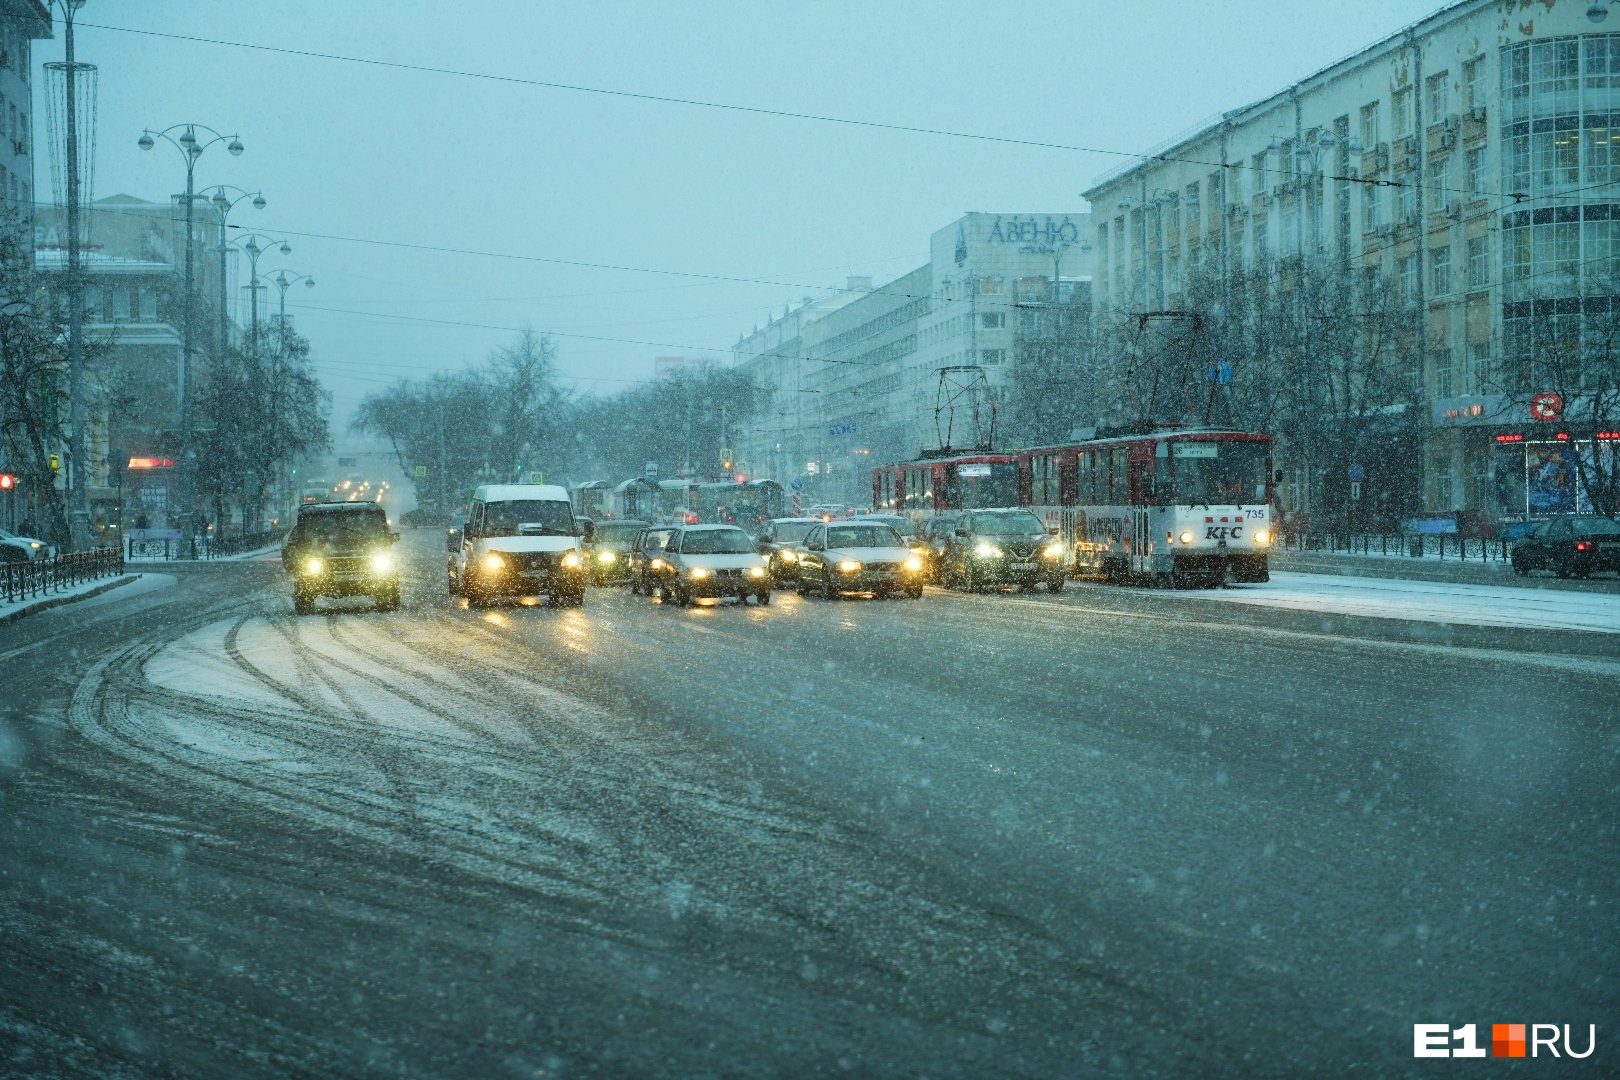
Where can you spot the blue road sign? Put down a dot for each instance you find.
(797, 484)
(841, 429)
(1357, 474)
(1221, 372)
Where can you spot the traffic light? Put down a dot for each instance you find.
(7, 481)
(56, 463)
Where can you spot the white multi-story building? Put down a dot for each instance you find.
(1472, 157)
(854, 374)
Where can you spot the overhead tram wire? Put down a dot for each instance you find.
(757, 110)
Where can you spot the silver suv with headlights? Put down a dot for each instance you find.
(709, 560)
(856, 556)
(341, 549)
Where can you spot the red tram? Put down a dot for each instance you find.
(1190, 505)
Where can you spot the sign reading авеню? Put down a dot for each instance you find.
(1032, 230)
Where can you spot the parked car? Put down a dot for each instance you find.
(779, 542)
(1570, 547)
(341, 549)
(645, 557)
(1002, 548)
(522, 540)
(844, 556)
(933, 537)
(35, 548)
(608, 550)
(711, 561)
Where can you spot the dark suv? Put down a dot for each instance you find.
(341, 549)
(997, 548)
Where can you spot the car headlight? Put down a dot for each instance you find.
(313, 566)
(572, 561)
(493, 563)
(1186, 536)
(656, 564)
(699, 573)
(608, 557)
(849, 566)
(913, 564)
(787, 556)
(1262, 536)
(382, 562)
(756, 571)
(1053, 551)
(987, 551)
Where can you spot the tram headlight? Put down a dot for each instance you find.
(987, 551)
(1186, 536)
(1262, 536)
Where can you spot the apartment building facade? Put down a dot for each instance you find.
(1470, 159)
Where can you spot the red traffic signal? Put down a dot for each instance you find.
(7, 481)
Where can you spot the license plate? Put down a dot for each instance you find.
(1023, 566)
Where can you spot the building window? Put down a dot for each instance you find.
(148, 305)
(1437, 96)
(1192, 205)
(1400, 109)
(120, 305)
(1445, 376)
(992, 320)
(1474, 172)
(1369, 127)
(1479, 367)
(991, 357)
(1479, 261)
(1407, 268)
(1601, 150)
(1474, 83)
(1370, 216)
(1603, 61)
(1557, 156)
(1440, 184)
(1440, 271)
(1406, 202)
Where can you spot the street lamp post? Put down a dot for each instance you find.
(79, 457)
(224, 203)
(254, 249)
(191, 148)
(282, 281)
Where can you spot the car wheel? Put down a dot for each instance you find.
(303, 603)
(1562, 568)
(970, 579)
(763, 598)
(388, 599)
(1054, 584)
(802, 587)
(683, 598)
(827, 588)
(914, 593)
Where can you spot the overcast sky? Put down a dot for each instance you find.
(354, 156)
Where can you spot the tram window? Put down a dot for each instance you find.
(1084, 495)
(1117, 483)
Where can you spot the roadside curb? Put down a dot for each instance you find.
(46, 603)
(1462, 572)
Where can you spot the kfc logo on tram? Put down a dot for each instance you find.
(1507, 1040)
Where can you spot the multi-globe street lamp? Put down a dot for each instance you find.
(254, 248)
(191, 147)
(225, 198)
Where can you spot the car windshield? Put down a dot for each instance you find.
(716, 542)
(617, 532)
(898, 524)
(1007, 524)
(788, 532)
(329, 527)
(847, 536)
(541, 516)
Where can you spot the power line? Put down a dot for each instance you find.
(754, 110)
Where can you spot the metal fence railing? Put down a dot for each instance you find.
(1441, 546)
(171, 548)
(42, 577)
